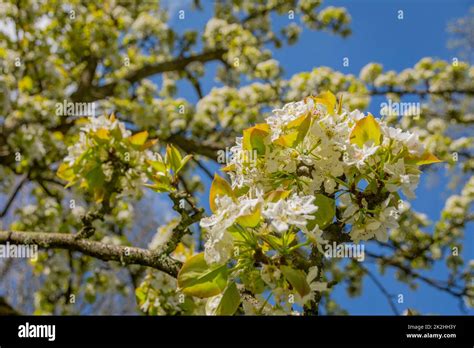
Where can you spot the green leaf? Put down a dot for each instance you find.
(138, 139)
(252, 219)
(426, 158)
(287, 140)
(173, 158)
(297, 279)
(275, 196)
(65, 172)
(159, 166)
(365, 130)
(185, 160)
(230, 301)
(299, 127)
(197, 278)
(219, 187)
(325, 213)
(254, 138)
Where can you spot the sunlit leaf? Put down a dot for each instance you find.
(185, 160)
(275, 196)
(197, 278)
(426, 158)
(219, 187)
(252, 219)
(366, 130)
(102, 134)
(65, 172)
(297, 279)
(173, 157)
(325, 213)
(327, 99)
(254, 138)
(157, 166)
(230, 301)
(139, 139)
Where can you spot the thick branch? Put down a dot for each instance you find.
(177, 64)
(421, 92)
(105, 252)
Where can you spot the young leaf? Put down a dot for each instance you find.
(325, 213)
(219, 187)
(299, 129)
(230, 301)
(275, 196)
(426, 158)
(183, 162)
(297, 279)
(197, 278)
(365, 130)
(229, 168)
(327, 99)
(287, 140)
(102, 134)
(252, 219)
(157, 165)
(65, 172)
(173, 158)
(148, 144)
(139, 139)
(254, 138)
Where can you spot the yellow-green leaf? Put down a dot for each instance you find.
(230, 301)
(325, 213)
(25, 84)
(275, 196)
(65, 172)
(426, 158)
(173, 157)
(254, 138)
(157, 165)
(149, 144)
(252, 219)
(219, 187)
(229, 168)
(365, 130)
(297, 279)
(102, 134)
(299, 127)
(185, 160)
(139, 139)
(327, 99)
(287, 140)
(197, 278)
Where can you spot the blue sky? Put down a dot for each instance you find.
(377, 36)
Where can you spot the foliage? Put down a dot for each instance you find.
(312, 172)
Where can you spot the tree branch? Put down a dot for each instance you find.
(177, 64)
(13, 196)
(102, 251)
(382, 288)
(421, 92)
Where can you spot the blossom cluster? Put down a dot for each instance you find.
(107, 158)
(316, 166)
